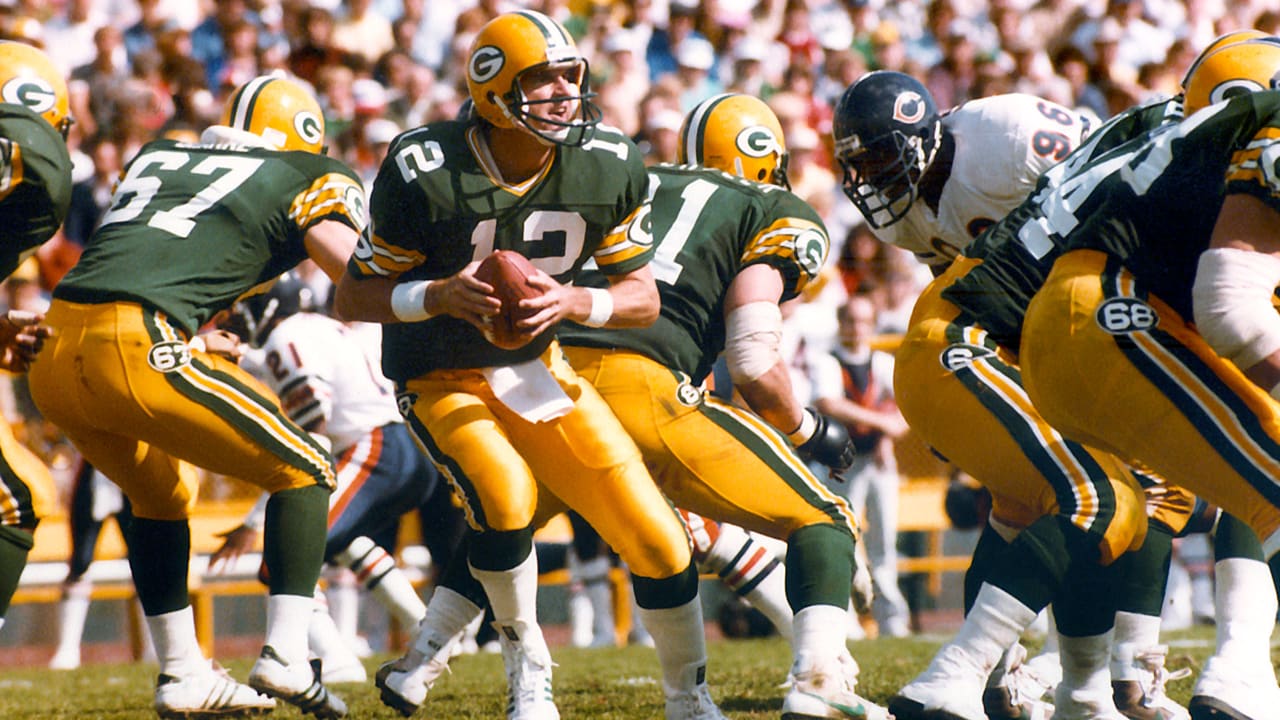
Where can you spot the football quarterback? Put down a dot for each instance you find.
(530, 171)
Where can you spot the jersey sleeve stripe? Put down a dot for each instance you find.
(778, 239)
(386, 259)
(326, 196)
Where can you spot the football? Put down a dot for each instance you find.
(508, 272)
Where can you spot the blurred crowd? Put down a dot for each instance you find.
(139, 69)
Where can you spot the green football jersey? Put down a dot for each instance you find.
(1018, 252)
(191, 228)
(438, 204)
(707, 226)
(35, 183)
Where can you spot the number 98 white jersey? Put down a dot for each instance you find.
(1002, 145)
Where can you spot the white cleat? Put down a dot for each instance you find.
(824, 689)
(210, 693)
(404, 685)
(65, 659)
(1228, 691)
(1016, 689)
(692, 700)
(947, 690)
(528, 664)
(298, 684)
(1144, 697)
(335, 670)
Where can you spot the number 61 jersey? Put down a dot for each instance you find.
(191, 228)
(438, 204)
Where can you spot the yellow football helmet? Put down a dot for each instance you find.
(508, 47)
(1221, 41)
(1234, 69)
(28, 77)
(738, 134)
(279, 111)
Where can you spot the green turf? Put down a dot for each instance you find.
(607, 684)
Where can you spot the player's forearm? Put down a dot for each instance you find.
(633, 299)
(771, 397)
(365, 299)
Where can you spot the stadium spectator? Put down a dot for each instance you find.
(362, 33)
(854, 384)
(69, 35)
(210, 38)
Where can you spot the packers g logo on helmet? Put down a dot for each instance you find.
(738, 134)
(757, 141)
(1236, 68)
(279, 111)
(486, 63)
(29, 78)
(511, 45)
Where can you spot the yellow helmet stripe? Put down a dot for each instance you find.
(242, 104)
(696, 129)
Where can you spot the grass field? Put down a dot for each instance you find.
(606, 684)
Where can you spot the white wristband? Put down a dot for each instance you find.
(808, 424)
(197, 343)
(409, 299)
(601, 307)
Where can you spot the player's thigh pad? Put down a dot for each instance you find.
(1109, 365)
(713, 458)
(123, 384)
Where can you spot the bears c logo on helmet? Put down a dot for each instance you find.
(908, 107)
(486, 63)
(308, 127)
(756, 141)
(31, 92)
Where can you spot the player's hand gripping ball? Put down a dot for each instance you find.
(508, 272)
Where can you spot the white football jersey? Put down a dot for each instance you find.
(323, 369)
(1003, 144)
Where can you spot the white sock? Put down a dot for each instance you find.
(1086, 676)
(513, 593)
(288, 618)
(377, 571)
(73, 610)
(1133, 634)
(819, 634)
(344, 604)
(448, 615)
(173, 634)
(995, 623)
(323, 638)
(680, 641)
(1245, 605)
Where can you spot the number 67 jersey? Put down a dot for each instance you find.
(191, 228)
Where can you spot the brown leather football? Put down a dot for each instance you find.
(508, 272)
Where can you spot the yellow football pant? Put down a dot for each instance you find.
(26, 487)
(141, 407)
(964, 395)
(1113, 367)
(708, 456)
(495, 460)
